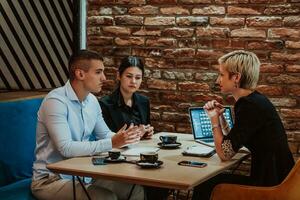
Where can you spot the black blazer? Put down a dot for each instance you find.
(111, 110)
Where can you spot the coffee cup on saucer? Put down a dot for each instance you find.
(149, 157)
(168, 139)
(114, 154)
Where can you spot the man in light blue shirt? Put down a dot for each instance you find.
(67, 119)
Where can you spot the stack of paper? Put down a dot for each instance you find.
(199, 150)
(136, 151)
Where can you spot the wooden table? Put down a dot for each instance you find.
(169, 175)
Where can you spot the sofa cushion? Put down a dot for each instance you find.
(17, 191)
(17, 138)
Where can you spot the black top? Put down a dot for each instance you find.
(259, 128)
(116, 113)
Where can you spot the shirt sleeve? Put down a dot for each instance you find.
(248, 120)
(55, 117)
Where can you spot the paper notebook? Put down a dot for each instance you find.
(136, 151)
(199, 150)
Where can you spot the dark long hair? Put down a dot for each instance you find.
(131, 61)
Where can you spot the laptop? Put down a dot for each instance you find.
(201, 125)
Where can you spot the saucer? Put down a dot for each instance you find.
(169, 146)
(120, 159)
(144, 164)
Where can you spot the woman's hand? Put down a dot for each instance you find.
(126, 136)
(213, 108)
(146, 131)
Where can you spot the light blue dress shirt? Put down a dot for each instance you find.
(64, 128)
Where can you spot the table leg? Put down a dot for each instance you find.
(74, 188)
(85, 191)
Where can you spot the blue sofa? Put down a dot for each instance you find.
(17, 144)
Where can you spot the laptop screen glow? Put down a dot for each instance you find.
(201, 124)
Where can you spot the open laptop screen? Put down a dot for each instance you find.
(201, 125)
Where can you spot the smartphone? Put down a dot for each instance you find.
(192, 163)
(98, 161)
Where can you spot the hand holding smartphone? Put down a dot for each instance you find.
(192, 163)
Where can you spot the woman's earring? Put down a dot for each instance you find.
(236, 85)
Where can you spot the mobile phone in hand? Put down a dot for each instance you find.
(192, 163)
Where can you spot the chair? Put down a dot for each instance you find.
(287, 190)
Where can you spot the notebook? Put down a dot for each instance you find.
(201, 125)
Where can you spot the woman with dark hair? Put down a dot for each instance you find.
(125, 105)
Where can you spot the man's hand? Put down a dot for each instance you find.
(126, 136)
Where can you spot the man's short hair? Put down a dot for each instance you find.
(244, 62)
(75, 61)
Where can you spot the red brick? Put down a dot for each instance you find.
(100, 40)
(283, 102)
(161, 84)
(282, 9)
(130, 2)
(212, 32)
(161, 42)
(161, 1)
(163, 126)
(192, 64)
(228, 21)
(182, 53)
(220, 44)
(178, 32)
(210, 10)
(237, 44)
(290, 113)
(144, 10)
(100, 20)
(134, 41)
(159, 63)
(146, 52)
(231, 1)
(162, 108)
(155, 116)
(209, 54)
(248, 32)
(284, 79)
(293, 68)
(291, 21)
(260, 1)
(264, 21)
(177, 10)
(270, 90)
(271, 68)
(285, 56)
(171, 97)
(192, 21)
(203, 98)
(193, 86)
(175, 117)
(146, 31)
(98, 2)
(292, 44)
(187, 43)
(159, 21)
(284, 33)
(116, 30)
(194, 1)
(269, 44)
(294, 90)
(128, 20)
(183, 128)
(235, 10)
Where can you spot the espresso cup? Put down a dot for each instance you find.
(114, 154)
(150, 157)
(168, 139)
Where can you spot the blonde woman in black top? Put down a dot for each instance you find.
(257, 126)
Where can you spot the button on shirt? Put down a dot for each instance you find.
(64, 128)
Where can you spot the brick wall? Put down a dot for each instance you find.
(180, 41)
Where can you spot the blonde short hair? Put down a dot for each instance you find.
(244, 62)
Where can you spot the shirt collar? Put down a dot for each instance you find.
(120, 100)
(70, 93)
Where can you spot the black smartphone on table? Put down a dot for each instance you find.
(192, 163)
